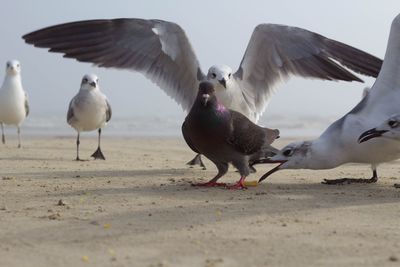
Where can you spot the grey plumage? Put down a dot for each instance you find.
(224, 136)
(162, 52)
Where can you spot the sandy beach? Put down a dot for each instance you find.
(138, 208)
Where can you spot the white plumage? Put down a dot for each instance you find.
(89, 110)
(14, 106)
(339, 143)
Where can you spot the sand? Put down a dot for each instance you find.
(137, 208)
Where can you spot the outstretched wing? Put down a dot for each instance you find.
(158, 49)
(248, 137)
(276, 51)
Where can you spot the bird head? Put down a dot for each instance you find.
(220, 76)
(206, 95)
(390, 128)
(300, 155)
(89, 82)
(13, 67)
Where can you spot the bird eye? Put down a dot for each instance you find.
(18, 65)
(393, 123)
(85, 80)
(8, 65)
(287, 152)
(213, 75)
(229, 75)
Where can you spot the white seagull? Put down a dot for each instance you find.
(162, 52)
(14, 106)
(339, 143)
(89, 110)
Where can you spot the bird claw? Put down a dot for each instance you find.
(197, 161)
(98, 154)
(396, 185)
(238, 185)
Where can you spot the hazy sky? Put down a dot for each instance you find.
(219, 32)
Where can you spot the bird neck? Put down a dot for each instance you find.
(12, 82)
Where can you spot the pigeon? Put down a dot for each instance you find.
(14, 107)
(223, 135)
(89, 110)
(162, 52)
(339, 144)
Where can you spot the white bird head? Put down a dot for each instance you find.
(220, 76)
(390, 128)
(90, 82)
(303, 155)
(13, 67)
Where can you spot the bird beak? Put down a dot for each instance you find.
(223, 82)
(372, 133)
(205, 98)
(277, 168)
(93, 84)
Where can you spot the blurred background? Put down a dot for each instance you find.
(219, 32)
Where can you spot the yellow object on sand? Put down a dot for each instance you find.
(250, 183)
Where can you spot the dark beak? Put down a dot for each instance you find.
(277, 168)
(223, 82)
(370, 134)
(93, 84)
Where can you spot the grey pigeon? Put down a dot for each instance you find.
(162, 52)
(224, 136)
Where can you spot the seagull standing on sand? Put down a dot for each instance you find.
(14, 106)
(89, 110)
(162, 52)
(339, 143)
(224, 136)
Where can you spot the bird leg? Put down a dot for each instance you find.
(239, 184)
(373, 179)
(197, 161)
(19, 136)
(3, 138)
(222, 169)
(77, 148)
(98, 154)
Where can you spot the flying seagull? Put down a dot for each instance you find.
(224, 136)
(162, 52)
(89, 110)
(14, 106)
(339, 143)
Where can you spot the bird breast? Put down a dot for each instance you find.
(89, 111)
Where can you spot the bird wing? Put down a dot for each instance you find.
(158, 49)
(26, 105)
(108, 111)
(187, 138)
(246, 136)
(70, 113)
(275, 52)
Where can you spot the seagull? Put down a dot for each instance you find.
(89, 110)
(389, 129)
(339, 143)
(14, 106)
(224, 136)
(162, 52)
